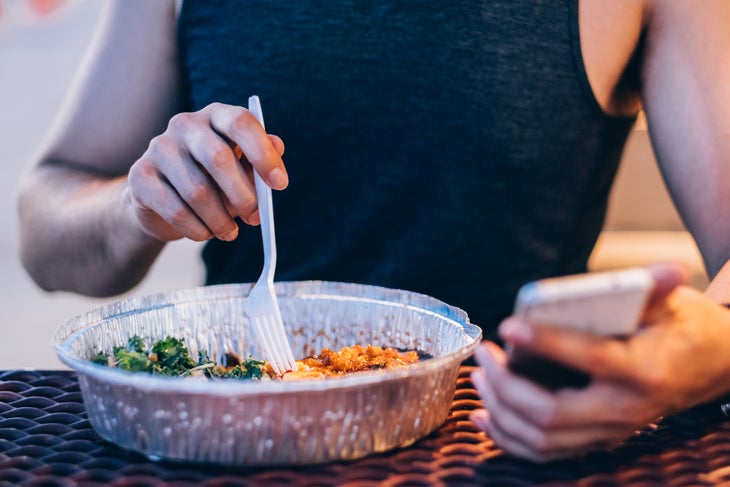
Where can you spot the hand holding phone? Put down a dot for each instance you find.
(605, 303)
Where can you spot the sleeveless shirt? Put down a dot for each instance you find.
(453, 148)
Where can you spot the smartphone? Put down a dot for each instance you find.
(605, 303)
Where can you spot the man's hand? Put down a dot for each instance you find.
(678, 359)
(196, 177)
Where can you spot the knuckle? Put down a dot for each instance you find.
(198, 235)
(548, 416)
(222, 227)
(214, 106)
(221, 157)
(540, 444)
(182, 120)
(199, 195)
(231, 116)
(178, 218)
(141, 171)
(162, 145)
(655, 378)
(242, 121)
(600, 358)
(246, 206)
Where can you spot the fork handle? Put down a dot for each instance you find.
(266, 207)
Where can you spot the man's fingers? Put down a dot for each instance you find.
(201, 195)
(667, 276)
(563, 408)
(278, 144)
(222, 166)
(186, 160)
(553, 446)
(518, 394)
(587, 352)
(529, 421)
(595, 355)
(161, 211)
(191, 181)
(241, 127)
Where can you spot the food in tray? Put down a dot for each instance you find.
(170, 356)
(357, 358)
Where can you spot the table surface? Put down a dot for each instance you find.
(46, 438)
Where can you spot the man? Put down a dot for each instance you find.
(458, 150)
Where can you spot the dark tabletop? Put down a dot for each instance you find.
(46, 439)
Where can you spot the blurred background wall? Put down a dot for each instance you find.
(41, 43)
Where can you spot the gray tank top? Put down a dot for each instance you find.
(452, 148)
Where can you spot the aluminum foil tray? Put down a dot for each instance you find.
(271, 422)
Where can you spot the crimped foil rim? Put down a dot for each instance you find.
(83, 322)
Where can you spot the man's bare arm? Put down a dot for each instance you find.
(77, 231)
(686, 95)
(126, 173)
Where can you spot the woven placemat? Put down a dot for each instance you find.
(46, 439)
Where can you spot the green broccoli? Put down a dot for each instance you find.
(101, 358)
(170, 356)
(135, 344)
(132, 361)
(247, 369)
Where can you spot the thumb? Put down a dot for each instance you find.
(667, 276)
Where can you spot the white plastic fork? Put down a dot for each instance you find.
(263, 307)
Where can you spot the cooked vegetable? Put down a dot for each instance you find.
(101, 358)
(132, 357)
(170, 356)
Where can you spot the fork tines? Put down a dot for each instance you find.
(274, 344)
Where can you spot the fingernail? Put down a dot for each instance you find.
(480, 417)
(230, 236)
(478, 376)
(253, 219)
(515, 331)
(278, 179)
(479, 380)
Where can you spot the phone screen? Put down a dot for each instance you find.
(605, 303)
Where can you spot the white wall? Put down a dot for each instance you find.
(37, 61)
